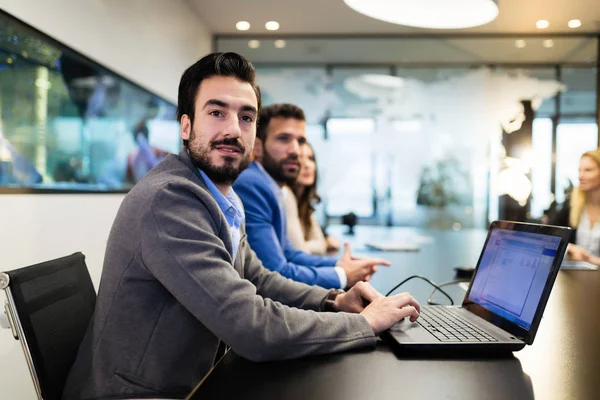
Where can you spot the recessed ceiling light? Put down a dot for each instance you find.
(548, 43)
(435, 14)
(280, 43)
(254, 44)
(520, 43)
(272, 25)
(243, 25)
(542, 24)
(574, 23)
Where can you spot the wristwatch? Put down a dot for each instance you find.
(328, 302)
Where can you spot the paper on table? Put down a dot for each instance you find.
(579, 265)
(393, 246)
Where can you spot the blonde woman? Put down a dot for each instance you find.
(303, 230)
(582, 211)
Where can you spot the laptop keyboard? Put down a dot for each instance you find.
(446, 326)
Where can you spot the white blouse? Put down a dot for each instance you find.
(316, 243)
(588, 236)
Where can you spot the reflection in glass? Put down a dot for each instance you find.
(580, 98)
(439, 107)
(307, 88)
(455, 118)
(418, 148)
(349, 103)
(348, 180)
(67, 123)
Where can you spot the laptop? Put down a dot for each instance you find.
(508, 292)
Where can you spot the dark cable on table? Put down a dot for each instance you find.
(437, 287)
(457, 281)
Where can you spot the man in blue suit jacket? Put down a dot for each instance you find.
(281, 130)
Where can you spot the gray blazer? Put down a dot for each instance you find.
(170, 292)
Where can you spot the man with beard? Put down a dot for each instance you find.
(180, 282)
(280, 133)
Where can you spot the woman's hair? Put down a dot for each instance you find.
(306, 200)
(577, 196)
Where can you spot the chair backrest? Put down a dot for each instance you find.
(51, 305)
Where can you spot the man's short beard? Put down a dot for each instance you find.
(276, 169)
(225, 174)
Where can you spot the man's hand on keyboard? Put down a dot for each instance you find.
(383, 312)
(356, 299)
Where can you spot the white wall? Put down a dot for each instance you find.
(35, 228)
(150, 42)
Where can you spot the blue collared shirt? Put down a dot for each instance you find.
(230, 207)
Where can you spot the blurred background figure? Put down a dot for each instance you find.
(68, 170)
(93, 92)
(303, 229)
(582, 211)
(144, 157)
(14, 167)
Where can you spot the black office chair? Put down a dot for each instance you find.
(49, 306)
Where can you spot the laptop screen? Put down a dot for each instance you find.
(513, 272)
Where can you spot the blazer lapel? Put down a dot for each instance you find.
(238, 263)
(225, 234)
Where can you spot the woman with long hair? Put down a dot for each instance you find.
(303, 230)
(582, 211)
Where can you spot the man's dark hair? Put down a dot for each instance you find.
(276, 111)
(215, 64)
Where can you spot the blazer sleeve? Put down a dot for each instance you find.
(274, 286)
(180, 248)
(301, 257)
(259, 205)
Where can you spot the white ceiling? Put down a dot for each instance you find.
(334, 17)
(422, 51)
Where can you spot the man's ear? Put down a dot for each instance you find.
(185, 128)
(258, 150)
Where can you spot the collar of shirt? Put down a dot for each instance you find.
(229, 205)
(231, 208)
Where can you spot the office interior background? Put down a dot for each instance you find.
(442, 129)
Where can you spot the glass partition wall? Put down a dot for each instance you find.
(438, 131)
